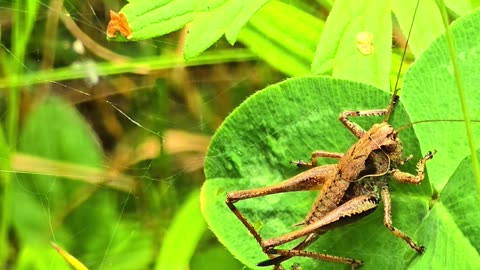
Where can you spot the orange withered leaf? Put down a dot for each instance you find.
(118, 23)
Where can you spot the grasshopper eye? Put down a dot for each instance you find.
(392, 145)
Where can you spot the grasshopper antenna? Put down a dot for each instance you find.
(395, 96)
(433, 121)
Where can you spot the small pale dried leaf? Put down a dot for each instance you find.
(191, 162)
(178, 141)
(24, 163)
(365, 43)
(148, 149)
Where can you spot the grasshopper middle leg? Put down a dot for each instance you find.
(314, 158)
(387, 220)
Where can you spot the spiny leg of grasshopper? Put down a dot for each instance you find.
(314, 158)
(414, 179)
(387, 205)
(387, 220)
(357, 130)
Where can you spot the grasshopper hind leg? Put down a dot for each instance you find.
(312, 179)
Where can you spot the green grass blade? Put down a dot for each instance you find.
(24, 16)
(141, 66)
(427, 26)
(461, 93)
(429, 93)
(5, 195)
(182, 236)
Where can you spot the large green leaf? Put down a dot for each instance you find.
(451, 229)
(287, 121)
(429, 92)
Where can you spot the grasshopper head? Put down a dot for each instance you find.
(386, 139)
(393, 147)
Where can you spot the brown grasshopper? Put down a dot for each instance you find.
(349, 190)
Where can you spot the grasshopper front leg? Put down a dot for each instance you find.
(405, 178)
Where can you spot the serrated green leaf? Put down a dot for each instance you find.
(210, 20)
(149, 19)
(427, 25)
(208, 26)
(430, 85)
(338, 53)
(247, 10)
(287, 122)
(286, 42)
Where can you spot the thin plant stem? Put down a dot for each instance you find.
(461, 93)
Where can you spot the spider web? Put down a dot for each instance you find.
(150, 129)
